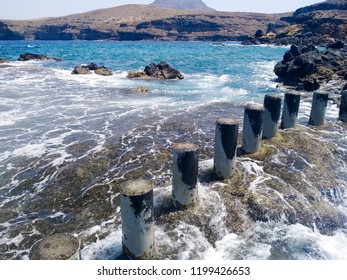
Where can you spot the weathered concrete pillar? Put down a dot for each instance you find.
(137, 214)
(252, 128)
(319, 108)
(56, 247)
(272, 113)
(343, 107)
(185, 175)
(290, 110)
(226, 135)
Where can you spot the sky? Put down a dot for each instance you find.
(29, 9)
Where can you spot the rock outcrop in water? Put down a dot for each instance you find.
(31, 56)
(307, 67)
(86, 69)
(161, 71)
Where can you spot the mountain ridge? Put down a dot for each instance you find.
(140, 22)
(196, 5)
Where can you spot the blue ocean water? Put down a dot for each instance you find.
(49, 118)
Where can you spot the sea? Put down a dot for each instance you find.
(68, 141)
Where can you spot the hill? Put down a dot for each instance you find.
(196, 5)
(140, 22)
(320, 24)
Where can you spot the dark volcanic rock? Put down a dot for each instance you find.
(92, 66)
(161, 71)
(81, 70)
(324, 6)
(307, 67)
(311, 84)
(137, 75)
(103, 71)
(319, 24)
(259, 33)
(86, 69)
(31, 56)
(336, 45)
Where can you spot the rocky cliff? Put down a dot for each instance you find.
(319, 24)
(141, 22)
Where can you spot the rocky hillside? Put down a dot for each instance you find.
(307, 68)
(319, 24)
(141, 22)
(324, 6)
(196, 5)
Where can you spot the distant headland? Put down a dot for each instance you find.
(187, 21)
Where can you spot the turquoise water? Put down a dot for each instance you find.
(51, 121)
(248, 68)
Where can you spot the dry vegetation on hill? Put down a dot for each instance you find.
(140, 22)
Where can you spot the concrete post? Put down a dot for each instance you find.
(226, 135)
(137, 214)
(272, 113)
(56, 247)
(290, 110)
(343, 107)
(319, 108)
(185, 175)
(252, 128)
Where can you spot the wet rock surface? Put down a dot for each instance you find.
(86, 69)
(293, 179)
(140, 90)
(161, 71)
(306, 67)
(31, 56)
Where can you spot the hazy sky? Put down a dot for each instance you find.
(27, 9)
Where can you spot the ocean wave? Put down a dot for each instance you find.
(70, 140)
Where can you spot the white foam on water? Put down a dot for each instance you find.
(206, 165)
(264, 74)
(271, 46)
(5, 121)
(234, 247)
(308, 243)
(118, 79)
(206, 81)
(280, 241)
(108, 244)
(30, 150)
(252, 167)
(184, 242)
(229, 91)
(104, 249)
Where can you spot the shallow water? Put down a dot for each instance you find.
(68, 141)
